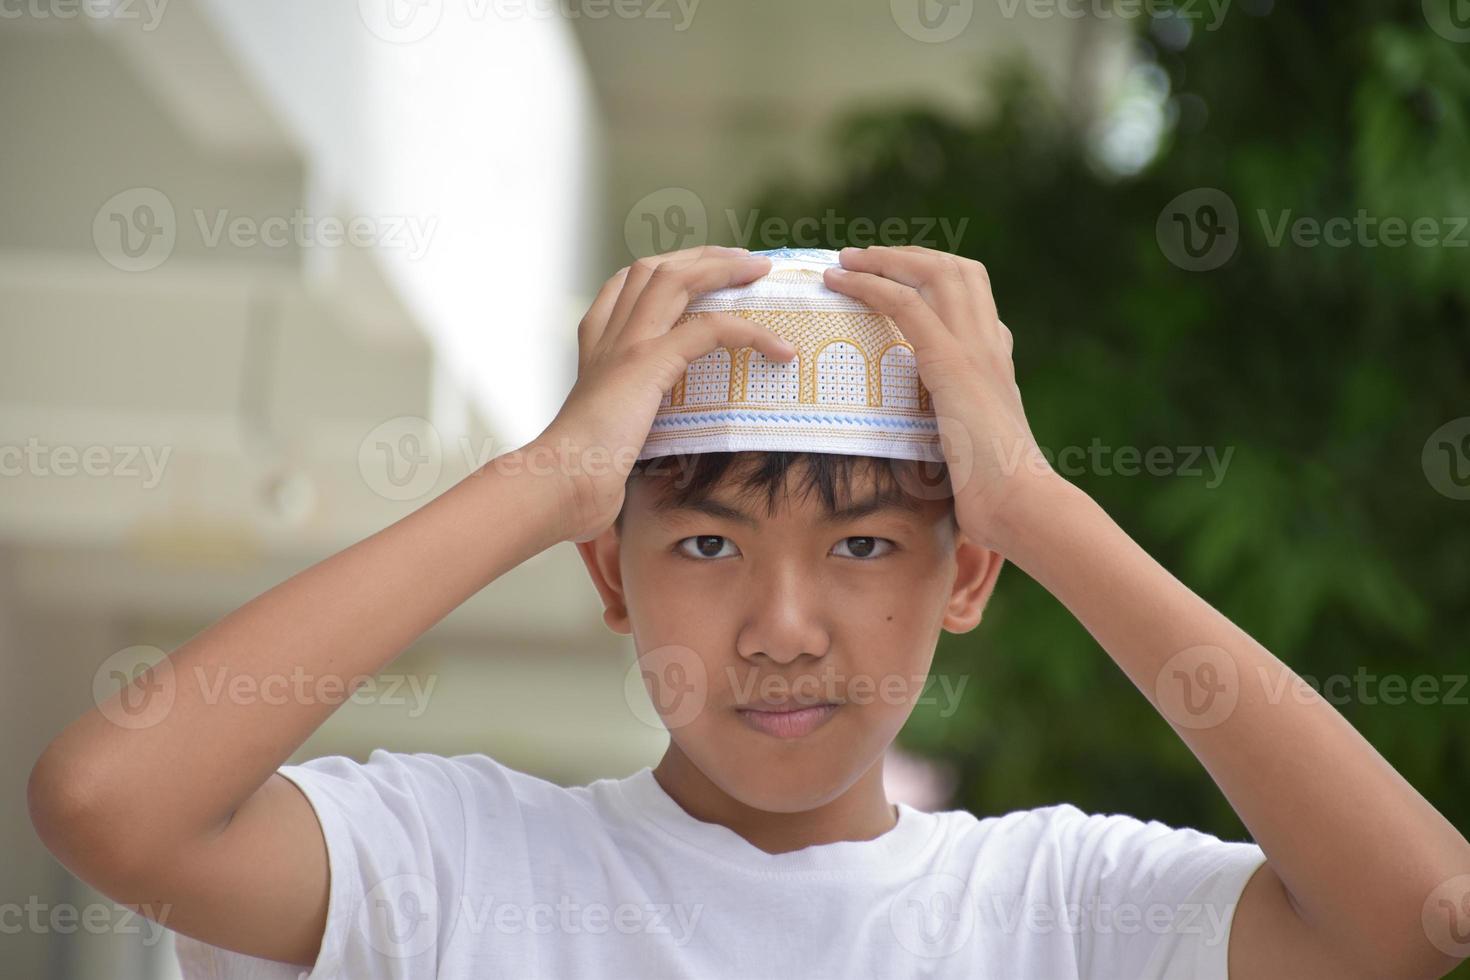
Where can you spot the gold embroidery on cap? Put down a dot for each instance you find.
(872, 337)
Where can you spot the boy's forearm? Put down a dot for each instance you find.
(343, 619)
(1358, 849)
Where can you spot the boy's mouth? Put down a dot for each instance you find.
(791, 719)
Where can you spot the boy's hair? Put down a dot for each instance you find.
(688, 477)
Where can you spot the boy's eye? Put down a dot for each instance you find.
(712, 546)
(865, 547)
(705, 546)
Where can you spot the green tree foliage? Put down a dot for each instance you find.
(1322, 369)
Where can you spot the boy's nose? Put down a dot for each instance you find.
(785, 617)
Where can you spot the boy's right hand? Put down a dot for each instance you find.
(629, 355)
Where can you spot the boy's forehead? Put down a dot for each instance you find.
(862, 490)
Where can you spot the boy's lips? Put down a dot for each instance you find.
(790, 719)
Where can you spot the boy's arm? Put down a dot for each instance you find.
(186, 818)
(1363, 877)
(1354, 854)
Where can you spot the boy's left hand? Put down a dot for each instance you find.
(943, 305)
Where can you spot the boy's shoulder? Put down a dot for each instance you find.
(474, 780)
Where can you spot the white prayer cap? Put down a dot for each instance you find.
(852, 388)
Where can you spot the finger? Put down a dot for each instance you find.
(702, 333)
(916, 320)
(974, 270)
(937, 276)
(641, 271)
(594, 321)
(670, 289)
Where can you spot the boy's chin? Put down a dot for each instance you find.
(794, 784)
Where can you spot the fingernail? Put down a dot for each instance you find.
(837, 271)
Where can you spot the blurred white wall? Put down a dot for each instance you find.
(203, 391)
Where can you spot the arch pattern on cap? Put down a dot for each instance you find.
(888, 366)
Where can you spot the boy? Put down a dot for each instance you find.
(762, 844)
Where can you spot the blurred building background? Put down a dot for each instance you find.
(274, 274)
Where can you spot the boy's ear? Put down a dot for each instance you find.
(600, 555)
(976, 570)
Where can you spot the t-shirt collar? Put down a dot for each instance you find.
(648, 801)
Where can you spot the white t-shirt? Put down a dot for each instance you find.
(463, 867)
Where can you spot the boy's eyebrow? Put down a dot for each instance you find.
(869, 505)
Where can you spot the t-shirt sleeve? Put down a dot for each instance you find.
(395, 831)
(1152, 902)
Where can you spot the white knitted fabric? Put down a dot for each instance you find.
(852, 388)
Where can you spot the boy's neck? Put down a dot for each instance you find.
(861, 813)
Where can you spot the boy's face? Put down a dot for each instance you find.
(729, 606)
